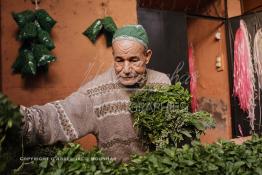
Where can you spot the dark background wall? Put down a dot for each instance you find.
(168, 40)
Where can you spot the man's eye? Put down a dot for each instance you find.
(119, 61)
(134, 60)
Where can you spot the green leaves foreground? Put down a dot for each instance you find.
(10, 139)
(162, 117)
(222, 157)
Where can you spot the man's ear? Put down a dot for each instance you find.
(148, 54)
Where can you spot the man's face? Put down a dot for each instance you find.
(130, 60)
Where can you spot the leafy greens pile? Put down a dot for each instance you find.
(73, 160)
(223, 157)
(163, 119)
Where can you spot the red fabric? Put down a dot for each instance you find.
(243, 72)
(193, 78)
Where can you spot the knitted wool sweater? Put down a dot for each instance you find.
(100, 107)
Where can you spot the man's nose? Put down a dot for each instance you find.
(126, 67)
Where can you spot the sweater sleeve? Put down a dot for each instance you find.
(63, 120)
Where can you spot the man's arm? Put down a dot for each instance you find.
(63, 120)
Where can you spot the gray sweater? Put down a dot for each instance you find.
(100, 107)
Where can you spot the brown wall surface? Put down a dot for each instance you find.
(212, 85)
(234, 8)
(252, 5)
(78, 60)
(203, 7)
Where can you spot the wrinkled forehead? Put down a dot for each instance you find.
(127, 47)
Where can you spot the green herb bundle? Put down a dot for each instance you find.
(34, 32)
(163, 119)
(10, 137)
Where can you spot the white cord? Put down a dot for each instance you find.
(36, 5)
(105, 4)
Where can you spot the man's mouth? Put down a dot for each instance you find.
(128, 77)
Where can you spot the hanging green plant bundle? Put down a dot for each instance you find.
(23, 17)
(34, 32)
(163, 119)
(109, 29)
(45, 21)
(99, 26)
(94, 30)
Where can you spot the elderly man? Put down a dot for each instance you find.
(101, 106)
